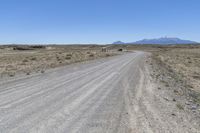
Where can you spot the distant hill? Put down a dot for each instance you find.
(163, 41)
(119, 42)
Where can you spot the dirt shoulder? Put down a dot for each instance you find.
(155, 103)
(173, 70)
(183, 66)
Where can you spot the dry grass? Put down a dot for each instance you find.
(40, 59)
(184, 65)
(185, 62)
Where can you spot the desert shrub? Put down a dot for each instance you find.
(33, 58)
(22, 48)
(179, 106)
(69, 55)
(25, 60)
(107, 55)
(120, 49)
(68, 58)
(196, 77)
(37, 46)
(28, 73)
(42, 71)
(58, 58)
(91, 55)
(11, 74)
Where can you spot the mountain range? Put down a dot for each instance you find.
(163, 40)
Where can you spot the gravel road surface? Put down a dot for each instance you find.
(105, 96)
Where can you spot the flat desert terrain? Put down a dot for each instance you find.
(27, 59)
(151, 89)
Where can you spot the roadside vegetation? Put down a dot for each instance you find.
(31, 59)
(178, 69)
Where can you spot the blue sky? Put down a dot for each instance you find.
(97, 21)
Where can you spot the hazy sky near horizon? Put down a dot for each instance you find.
(97, 21)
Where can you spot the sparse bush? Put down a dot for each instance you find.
(11, 74)
(25, 60)
(22, 48)
(42, 71)
(58, 58)
(23, 63)
(69, 55)
(198, 99)
(107, 55)
(196, 77)
(120, 49)
(176, 91)
(37, 46)
(166, 85)
(33, 58)
(68, 58)
(28, 73)
(179, 106)
(91, 55)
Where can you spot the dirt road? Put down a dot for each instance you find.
(106, 95)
